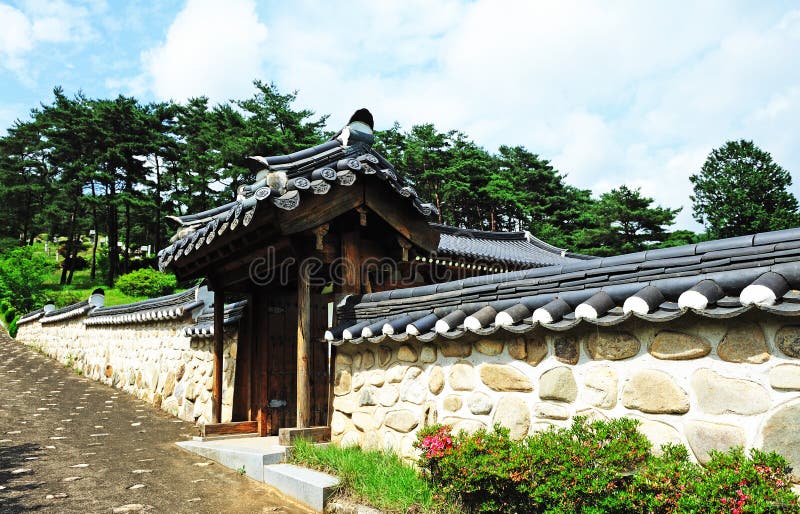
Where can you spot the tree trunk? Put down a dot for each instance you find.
(27, 216)
(70, 238)
(73, 255)
(157, 238)
(93, 272)
(127, 237)
(113, 236)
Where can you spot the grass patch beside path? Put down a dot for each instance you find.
(380, 479)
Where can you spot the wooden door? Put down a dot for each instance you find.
(274, 360)
(320, 368)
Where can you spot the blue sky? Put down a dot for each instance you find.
(612, 92)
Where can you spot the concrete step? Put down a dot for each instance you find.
(310, 487)
(252, 460)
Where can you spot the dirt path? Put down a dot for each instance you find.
(72, 445)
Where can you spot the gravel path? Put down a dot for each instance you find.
(71, 445)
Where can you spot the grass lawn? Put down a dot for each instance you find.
(82, 284)
(380, 479)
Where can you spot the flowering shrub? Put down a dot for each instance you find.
(563, 470)
(604, 466)
(737, 484)
(434, 444)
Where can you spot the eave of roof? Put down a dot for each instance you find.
(313, 171)
(721, 275)
(74, 310)
(516, 249)
(31, 316)
(204, 328)
(174, 306)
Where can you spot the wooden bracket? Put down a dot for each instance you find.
(362, 212)
(406, 245)
(320, 233)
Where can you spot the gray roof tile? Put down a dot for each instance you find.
(731, 264)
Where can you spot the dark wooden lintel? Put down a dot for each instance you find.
(236, 427)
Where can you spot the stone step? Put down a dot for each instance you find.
(307, 486)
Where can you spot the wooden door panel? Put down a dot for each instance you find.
(274, 336)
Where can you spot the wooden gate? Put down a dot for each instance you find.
(273, 373)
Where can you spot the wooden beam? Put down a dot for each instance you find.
(219, 336)
(237, 427)
(401, 215)
(314, 210)
(303, 347)
(287, 436)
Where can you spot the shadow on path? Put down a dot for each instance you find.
(15, 479)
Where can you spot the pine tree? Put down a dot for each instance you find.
(741, 190)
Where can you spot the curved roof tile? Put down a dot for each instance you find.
(731, 265)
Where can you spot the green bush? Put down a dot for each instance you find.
(661, 485)
(64, 298)
(8, 243)
(604, 466)
(22, 277)
(571, 469)
(10, 314)
(12, 327)
(3, 307)
(146, 282)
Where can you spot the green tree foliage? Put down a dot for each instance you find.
(22, 277)
(741, 190)
(624, 221)
(119, 167)
(515, 189)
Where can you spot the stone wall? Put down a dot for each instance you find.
(697, 381)
(153, 361)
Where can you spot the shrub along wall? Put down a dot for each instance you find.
(708, 384)
(153, 361)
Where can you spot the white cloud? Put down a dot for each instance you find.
(212, 48)
(35, 23)
(15, 38)
(621, 92)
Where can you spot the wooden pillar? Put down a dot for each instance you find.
(303, 347)
(242, 388)
(261, 356)
(219, 335)
(351, 255)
